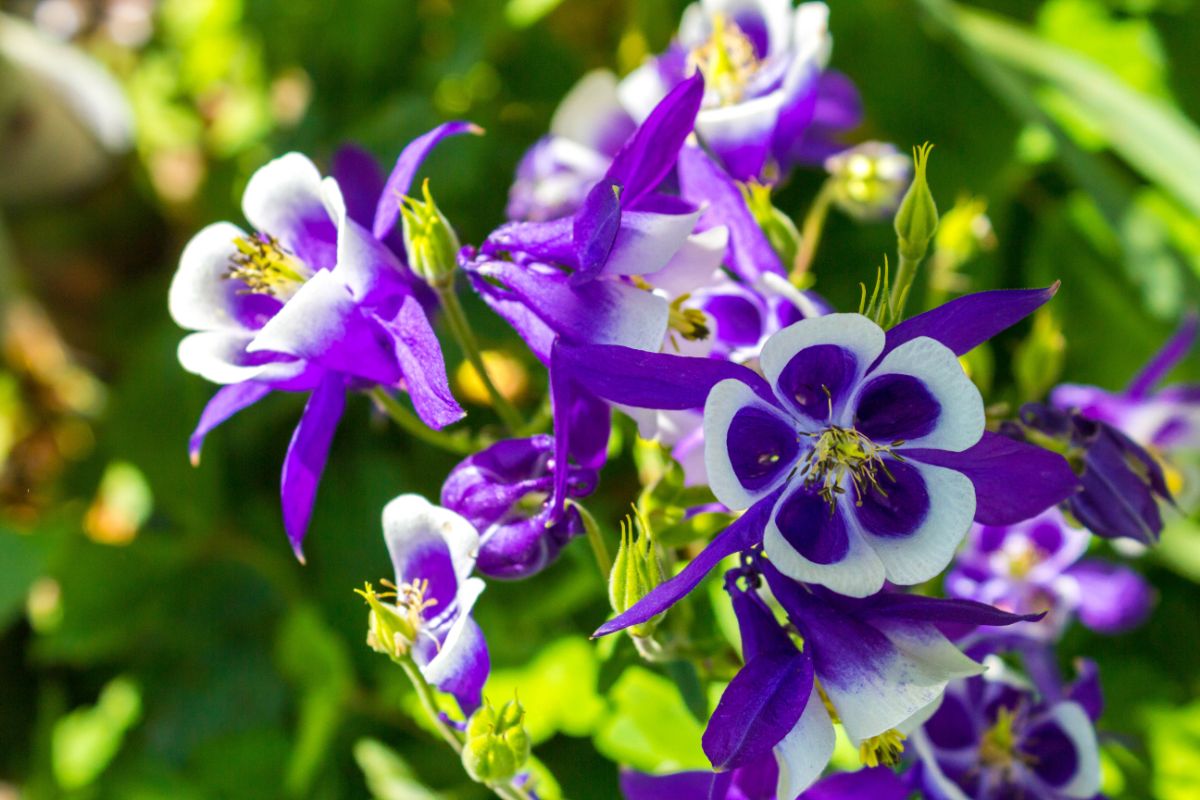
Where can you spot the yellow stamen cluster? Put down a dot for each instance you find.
(841, 453)
(266, 267)
(393, 628)
(727, 61)
(885, 749)
(998, 747)
(690, 323)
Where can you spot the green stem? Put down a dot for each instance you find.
(901, 287)
(460, 327)
(810, 233)
(410, 423)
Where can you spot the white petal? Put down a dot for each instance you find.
(589, 112)
(641, 90)
(284, 198)
(859, 574)
(924, 553)
(459, 642)
(810, 32)
(948, 789)
(646, 241)
(201, 297)
(852, 332)
(410, 521)
(806, 749)
(1074, 722)
(725, 400)
(222, 357)
(695, 265)
(961, 422)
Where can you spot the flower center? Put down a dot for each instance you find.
(394, 628)
(998, 746)
(885, 749)
(844, 453)
(727, 61)
(690, 323)
(266, 267)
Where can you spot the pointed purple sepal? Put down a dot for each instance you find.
(966, 322)
(650, 154)
(305, 460)
(400, 181)
(595, 229)
(1171, 353)
(228, 401)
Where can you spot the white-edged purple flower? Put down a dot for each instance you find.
(433, 553)
(308, 300)
(879, 664)
(503, 491)
(768, 98)
(1037, 566)
(994, 737)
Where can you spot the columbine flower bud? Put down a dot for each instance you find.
(867, 180)
(635, 571)
(777, 226)
(497, 744)
(917, 219)
(429, 240)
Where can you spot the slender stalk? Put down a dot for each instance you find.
(460, 327)
(905, 274)
(596, 540)
(410, 423)
(429, 702)
(810, 232)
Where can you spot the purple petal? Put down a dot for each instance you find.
(361, 181)
(423, 366)
(1086, 689)
(744, 532)
(761, 445)
(1112, 597)
(1013, 480)
(305, 460)
(816, 531)
(400, 181)
(1178, 346)
(228, 401)
(760, 631)
(900, 508)
(896, 406)
(952, 726)
(759, 707)
(650, 154)
(838, 109)
(918, 608)
(1116, 501)
(550, 242)
(818, 378)
(466, 674)
(595, 229)
(532, 329)
(680, 786)
(703, 182)
(968, 321)
(879, 783)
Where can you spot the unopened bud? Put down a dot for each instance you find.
(497, 744)
(635, 571)
(429, 240)
(917, 219)
(777, 226)
(1038, 362)
(868, 180)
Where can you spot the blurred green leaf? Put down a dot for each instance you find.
(388, 775)
(649, 727)
(86, 740)
(1174, 745)
(523, 13)
(557, 688)
(23, 557)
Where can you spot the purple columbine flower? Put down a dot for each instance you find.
(309, 301)
(1121, 484)
(762, 435)
(503, 491)
(879, 664)
(433, 552)
(769, 101)
(1035, 566)
(993, 737)
(758, 782)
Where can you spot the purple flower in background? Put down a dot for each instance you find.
(758, 782)
(555, 175)
(503, 492)
(1034, 566)
(769, 103)
(433, 553)
(309, 301)
(879, 664)
(879, 391)
(993, 737)
(1120, 483)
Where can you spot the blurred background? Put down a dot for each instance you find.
(158, 640)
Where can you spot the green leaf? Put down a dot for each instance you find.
(1173, 739)
(388, 775)
(649, 727)
(704, 525)
(23, 558)
(85, 741)
(523, 13)
(557, 689)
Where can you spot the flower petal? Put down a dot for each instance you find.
(651, 152)
(283, 199)
(679, 786)
(740, 134)
(918, 524)
(646, 241)
(806, 749)
(203, 298)
(1112, 598)
(1067, 755)
(877, 783)
(228, 401)
(462, 663)
(595, 229)
(400, 181)
(423, 366)
(305, 460)
(1175, 349)
(856, 343)
(750, 446)
(919, 393)
(222, 357)
(428, 542)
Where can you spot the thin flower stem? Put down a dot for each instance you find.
(460, 327)
(905, 274)
(810, 233)
(410, 423)
(449, 734)
(596, 540)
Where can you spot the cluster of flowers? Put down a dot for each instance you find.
(644, 265)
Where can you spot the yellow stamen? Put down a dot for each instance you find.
(393, 628)
(266, 267)
(690, 323)
(998, 745)
(885, 749)
(841, 453)
(727, 60)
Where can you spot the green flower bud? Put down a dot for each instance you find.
(497, 744)
(1038, 361)
(867, 180)
(430, 241)
(917, 219)
(777, 226)
(635, 571)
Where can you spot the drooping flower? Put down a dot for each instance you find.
(1121, 484)
(1035, 566)
(877, 666)
(993, 736)
(880, 390)
(429, 617)
(309, 301)
(503, 491)
(769, 101)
